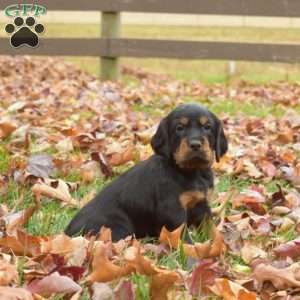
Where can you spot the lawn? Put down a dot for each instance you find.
(67, 115)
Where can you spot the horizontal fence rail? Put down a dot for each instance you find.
(279, 8)
(288, 53)
(110, 46)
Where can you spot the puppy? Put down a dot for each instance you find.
(170, 188)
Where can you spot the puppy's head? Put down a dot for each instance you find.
(191, 136)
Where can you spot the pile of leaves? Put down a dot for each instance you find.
(56, 120)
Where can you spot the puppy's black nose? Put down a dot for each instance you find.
(195, 145)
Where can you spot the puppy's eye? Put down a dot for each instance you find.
(179, 127)
(207, 126)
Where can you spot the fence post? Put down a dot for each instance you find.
(111, 25)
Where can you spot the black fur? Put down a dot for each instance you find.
(146, 197)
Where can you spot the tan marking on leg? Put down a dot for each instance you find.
(190, 198)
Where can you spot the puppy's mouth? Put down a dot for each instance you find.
(195, 161)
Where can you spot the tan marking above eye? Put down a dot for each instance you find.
(184, 121)
(203, 120)
(189, 199)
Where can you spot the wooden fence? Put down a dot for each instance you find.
(110, 46)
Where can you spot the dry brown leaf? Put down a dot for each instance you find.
(103, 269)
(231, 291)
(22, 243)
(90, 171)
(161, 283)
(161, 280)
(6, 128)
(105, 234)
(208, 249)
(268, 168)
(54, 284)
(171, 238)
(285, 136)
(12, 293)
(60, 191)
(120, 158)
(290, 249)
(198, 250)
(8, 273)
(60, 244)
(101, 291)
(282, 278)
(20, 219)
(203, 277)
(250, 252)
(138, 262)
(79, 254)
(11, 243)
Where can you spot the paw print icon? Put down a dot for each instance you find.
(24, 32)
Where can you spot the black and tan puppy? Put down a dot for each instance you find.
(172, 187)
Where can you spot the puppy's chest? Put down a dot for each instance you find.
(190, 198)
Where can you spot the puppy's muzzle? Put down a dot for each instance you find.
(195, 145)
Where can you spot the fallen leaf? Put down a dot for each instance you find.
(105, 234)
(8, 273)
(161, 280)
(6, 128)
(40, 165)
(231, 291)
(57, 189)
(124, 291)
(90, 171)
(171, 238)
(161, 283)
(65, 145)
(23, 244)
(250, 252)
(203, 277)
(101, 291)
(104, 165)
(281, 278)
(13, 293)
(268, 168)
(207, 249)
(20, 219)
(290, 249)
(103, 269)
(53, 284)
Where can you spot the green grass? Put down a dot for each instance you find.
(141, 283)
(50, 219)
(173, 260)
(203, 232)
(287, 235)
(4, 159)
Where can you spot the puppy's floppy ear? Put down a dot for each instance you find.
(221, 144)
(160, 140)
